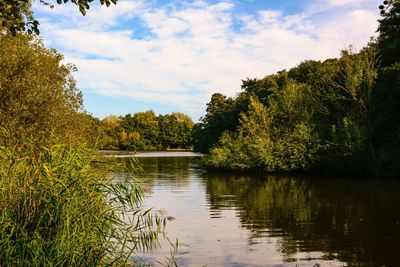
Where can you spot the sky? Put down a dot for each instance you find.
(171, 56)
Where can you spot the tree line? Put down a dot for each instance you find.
(146, 131)
(340, 115)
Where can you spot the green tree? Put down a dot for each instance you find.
(343, 100)
(175, 130)
(389, 32)
(386, 112)
(110, 132)
(143, 129)
(146, 124)
(220, 117)
(317, 114)
(246, 147)
(185, 128)
(38, 94)
(279, 136)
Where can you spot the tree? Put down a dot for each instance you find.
(389, 32)
(220, 117)
(16, 15)
(175, 130)
(38, 94)
(274, 137)
(146, 124)
(386, 104)
(185, 127)
(110, 128)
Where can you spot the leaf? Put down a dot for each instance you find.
(82, 10)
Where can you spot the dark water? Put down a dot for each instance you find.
(240, 220)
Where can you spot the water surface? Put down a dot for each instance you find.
(242, 220)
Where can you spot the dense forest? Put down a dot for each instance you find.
(337, 115)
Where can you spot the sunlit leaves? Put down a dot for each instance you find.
(146, 131)
(38, 94)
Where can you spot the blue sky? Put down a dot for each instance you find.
(172, 55)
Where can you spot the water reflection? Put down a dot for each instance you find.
(166, 171)
(352, 221)
(236, 220)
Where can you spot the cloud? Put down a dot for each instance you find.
(180, 53)
(344, 2)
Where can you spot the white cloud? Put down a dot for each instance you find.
(344, 2)
(193, 50)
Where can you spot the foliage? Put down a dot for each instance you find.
(317, 114)
(143, 125)
(175, 130)
(16, 15)
(386, 113)
(273, 138)
(146, 131)
(38, 94)
(340, 114)
(389, 31)
(222, 115)
(386, 121)
(57, 210)
(342, 101)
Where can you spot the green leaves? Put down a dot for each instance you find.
(108, 2)
(389, 32)
(146, 131)
(315, 114)
(38, 93)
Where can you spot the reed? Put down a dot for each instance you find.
(56, 209)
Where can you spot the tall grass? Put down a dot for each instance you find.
(57, 210)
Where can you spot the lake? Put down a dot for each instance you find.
(243, 220)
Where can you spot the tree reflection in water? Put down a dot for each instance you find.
(353, 221)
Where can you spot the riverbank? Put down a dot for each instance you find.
(322, 172)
